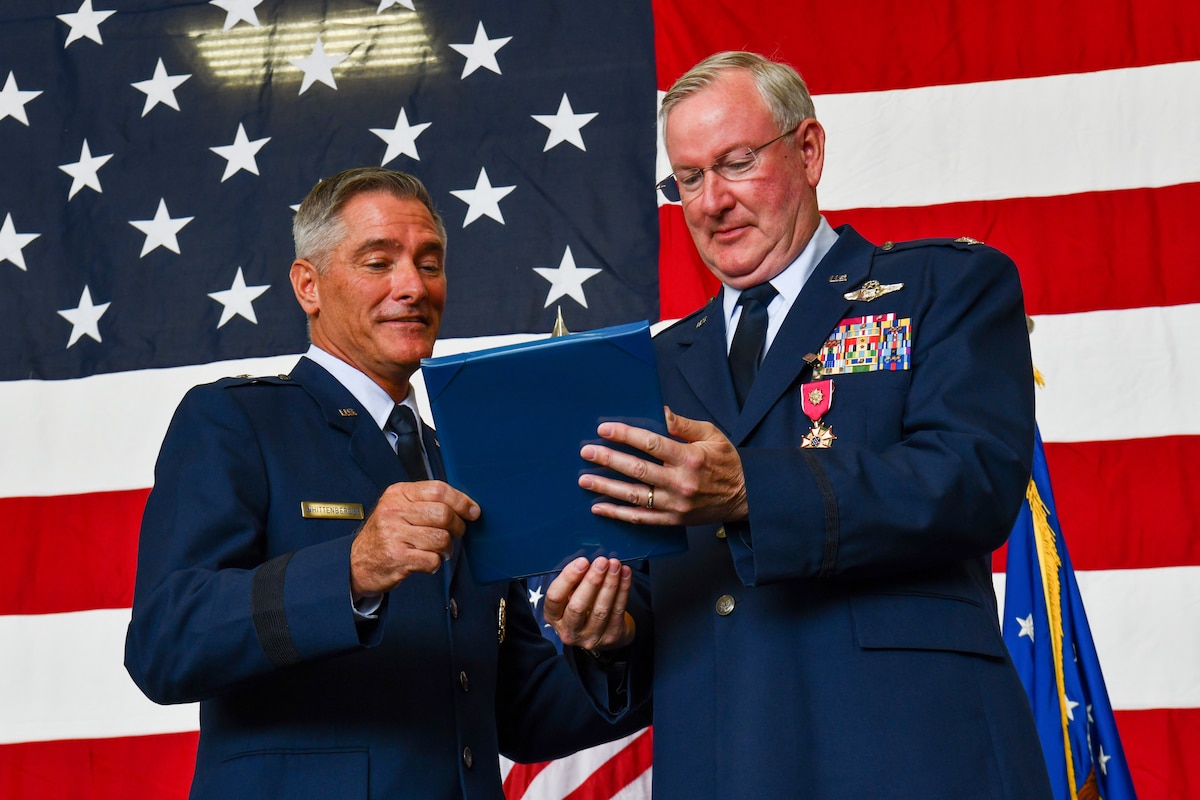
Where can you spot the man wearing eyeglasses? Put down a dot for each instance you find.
(851, 437)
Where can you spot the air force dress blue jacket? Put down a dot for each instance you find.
(243, 604)
(844, 641)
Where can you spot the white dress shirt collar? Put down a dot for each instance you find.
(788, 284)
(367, 392)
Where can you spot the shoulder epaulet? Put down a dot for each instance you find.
(692, 320)
(961, 243)
(256, 380)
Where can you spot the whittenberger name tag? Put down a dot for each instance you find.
(311, 509)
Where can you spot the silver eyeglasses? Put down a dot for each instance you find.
(735, 166)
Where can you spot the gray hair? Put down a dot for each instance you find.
(781, 87)
(318, 227)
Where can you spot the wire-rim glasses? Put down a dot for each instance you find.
(737, 165)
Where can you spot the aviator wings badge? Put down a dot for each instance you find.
(871, 290)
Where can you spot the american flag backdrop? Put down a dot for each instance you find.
(151, 150)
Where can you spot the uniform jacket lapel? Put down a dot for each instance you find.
(368, 445)
(704, 349)
(433, 450)
(438, 472)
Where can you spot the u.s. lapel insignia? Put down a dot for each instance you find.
(841, 277)
(871, 290)
(502, 621)
(815, 398)
(347, 412)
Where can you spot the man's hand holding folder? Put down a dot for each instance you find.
(586, 604)
(698, 481)
(511, 422)
(691, 477)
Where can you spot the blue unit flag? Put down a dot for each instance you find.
(1047, 632)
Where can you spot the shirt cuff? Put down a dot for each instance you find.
(367, 607)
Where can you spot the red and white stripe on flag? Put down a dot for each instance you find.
(1066, 134)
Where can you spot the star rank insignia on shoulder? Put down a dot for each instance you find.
(872, 290)
(257, 380)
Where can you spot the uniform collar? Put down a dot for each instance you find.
(789, 282)
(367, 392)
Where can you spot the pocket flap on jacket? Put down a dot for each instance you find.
(926, 622)
(300, 774)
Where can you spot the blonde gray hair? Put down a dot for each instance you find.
(318, 227)
(781, 87)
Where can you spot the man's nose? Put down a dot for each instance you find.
(715, 195)
(407, 283)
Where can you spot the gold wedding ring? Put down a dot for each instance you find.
(650, 498)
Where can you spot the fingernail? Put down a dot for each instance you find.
(587, 453)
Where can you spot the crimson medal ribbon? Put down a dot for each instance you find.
(815, 398)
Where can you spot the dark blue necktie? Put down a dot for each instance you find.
(748, 341)
(403, 423)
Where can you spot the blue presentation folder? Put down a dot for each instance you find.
(511, 421)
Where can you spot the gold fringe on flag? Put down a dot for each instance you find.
(1050, 564)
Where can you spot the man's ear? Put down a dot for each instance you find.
(810, 143)
(305, 280)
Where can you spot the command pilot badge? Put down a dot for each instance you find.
(872, 290)
(815, 398)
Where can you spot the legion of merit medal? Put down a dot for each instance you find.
(815, 399)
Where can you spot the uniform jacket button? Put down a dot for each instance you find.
(725, 604)
(468, 759)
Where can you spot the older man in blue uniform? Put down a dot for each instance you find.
(298, 571)
(851, 436)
